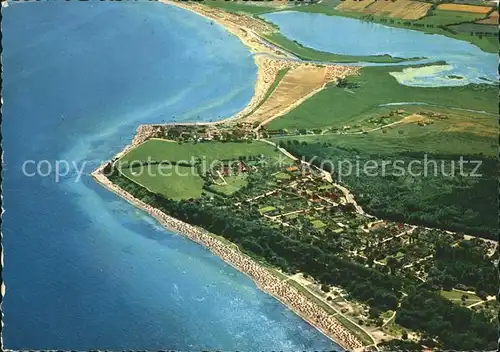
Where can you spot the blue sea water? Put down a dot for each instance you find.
(349, 36)
(82, 268)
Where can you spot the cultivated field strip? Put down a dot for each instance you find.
(404, 9)
(491, 19)
(465, 8)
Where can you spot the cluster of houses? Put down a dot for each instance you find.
(198, 133)
(234, 167)
(227, 168)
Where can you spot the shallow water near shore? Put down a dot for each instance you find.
(349, 36)
(83, 268)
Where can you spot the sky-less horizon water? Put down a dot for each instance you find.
(350, 36)
(83, 269)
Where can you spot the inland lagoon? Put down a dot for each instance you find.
(349, 36)
(83, 268)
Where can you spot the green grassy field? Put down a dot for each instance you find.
(267, 209)
(234, 183)
(443, 18)
(240, 7)
(475, 27)
(337, 107)
(306, 53)
(414, 139)
(156, 149)
(318, 224)
(182, 182)
(456, 297)
(282, 176)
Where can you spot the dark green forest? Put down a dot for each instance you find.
(293, 251)
(437, 198)
(455, 327)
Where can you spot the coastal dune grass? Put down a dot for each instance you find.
(277, 80)
(297, 84)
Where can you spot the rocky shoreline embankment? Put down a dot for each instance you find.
(265, 280)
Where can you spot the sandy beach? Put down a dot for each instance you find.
(269, 283)
(270, 59)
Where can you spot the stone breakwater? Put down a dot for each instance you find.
(268, 282)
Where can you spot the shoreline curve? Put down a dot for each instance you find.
(267, 282)
(290, 297)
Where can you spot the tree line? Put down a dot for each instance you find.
(288, 249)
(293, 251)
(453, 326)
(458, 203)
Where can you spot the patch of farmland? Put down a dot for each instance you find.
(318, 224)
(208, 152)
(444, 18)
(282, 176)
(266, 209)
(404, 9)
(465, 8)
(178, 183)
(475, 28)
(355, 6)
(297, 84)
(233, 184)
(491, 19)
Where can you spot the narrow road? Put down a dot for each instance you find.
(348, 195)
(390, 318)
(376, 128)
(489, 298)
(392, 237)
(339, 313)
